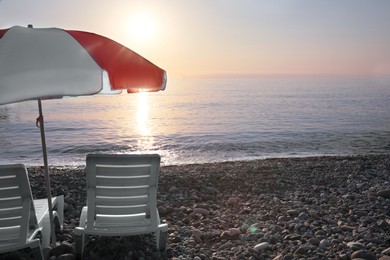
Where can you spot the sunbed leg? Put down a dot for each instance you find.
(161, 240)
(45, 232)
(79, 245)
(37, 253)
(59, 207)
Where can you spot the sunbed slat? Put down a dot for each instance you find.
(12, 192)
(121, 210)
(10, 234)
(123, 170)
(9, 222)
(124, 201)
(123, 221)
(10, 212)
(8, 181)
(136, 180)
(10, 202)
(121, 192)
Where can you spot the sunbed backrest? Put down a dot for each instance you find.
(17, 213)
(121, 190)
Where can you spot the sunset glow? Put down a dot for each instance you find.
(191, 38)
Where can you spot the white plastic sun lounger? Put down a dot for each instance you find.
(21, 217)
(121, 198)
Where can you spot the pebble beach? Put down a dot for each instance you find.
(285, 208)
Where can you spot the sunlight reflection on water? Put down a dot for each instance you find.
(146, 140)
(143, 114)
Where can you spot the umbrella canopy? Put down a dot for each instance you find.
(51, 63)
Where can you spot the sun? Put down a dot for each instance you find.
(142, 27)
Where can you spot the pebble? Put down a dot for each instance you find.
(354, 246)
(66, 257)
(232, 201)
(347, 228)
(363, 254)
(386, 251)
(293, 212)
(384, 193)
(302, 249)
(61, 250)
(204, 212)
(196, 233)
(314, 241)
(234, 232)
(261, 246)
(303, 216)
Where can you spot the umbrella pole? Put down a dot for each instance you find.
(46, 169)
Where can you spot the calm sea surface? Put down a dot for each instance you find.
(208, 120)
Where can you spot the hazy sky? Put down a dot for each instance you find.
(198, 37)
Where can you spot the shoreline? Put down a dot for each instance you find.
(261, 158)
(323, 207)
(281, 157)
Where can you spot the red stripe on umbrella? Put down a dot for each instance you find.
(2, 32)
(116, 59)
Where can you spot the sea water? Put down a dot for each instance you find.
(199, 120)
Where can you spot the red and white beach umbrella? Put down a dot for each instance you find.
(51, 63)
